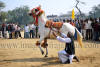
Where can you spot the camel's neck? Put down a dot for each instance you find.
(42, 20)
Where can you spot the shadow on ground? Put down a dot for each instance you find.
(48, 61)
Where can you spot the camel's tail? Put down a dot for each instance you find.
(79, 38)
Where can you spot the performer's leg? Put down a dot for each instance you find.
(46, 52)
(71, 58)
(75, 57)
(62, 56)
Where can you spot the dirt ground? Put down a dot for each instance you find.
(24, 53)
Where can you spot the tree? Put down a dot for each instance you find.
(95, 12)
(3, 16)
(19, 15)
(2, 5)
(77, 3)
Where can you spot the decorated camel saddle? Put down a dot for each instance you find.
(51, 24)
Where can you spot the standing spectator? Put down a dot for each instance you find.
(26, 31)
(36, 31)
(68, 21)
(32, 30)
(18, 30)
(64, 20)
(4, 30)
(83, 29)
(10, 30)
(88, 27)
(72, 23)
(78, 25)
(95, 30)
(0, 31)
(13, 30)
(99, 27)
(93, 23)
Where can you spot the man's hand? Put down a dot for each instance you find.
(54, 34)
(59, 32)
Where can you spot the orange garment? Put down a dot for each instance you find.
(73, 24)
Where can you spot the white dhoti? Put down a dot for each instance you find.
(63, 56)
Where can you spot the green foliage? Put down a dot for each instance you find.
(2, 5)
(19, 15)
(3, 16)
(95, 13)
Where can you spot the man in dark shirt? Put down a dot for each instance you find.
(66, 55)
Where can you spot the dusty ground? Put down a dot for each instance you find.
(24, 53)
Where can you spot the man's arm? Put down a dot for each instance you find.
(62, 34)
(54, 34)
(66, 40)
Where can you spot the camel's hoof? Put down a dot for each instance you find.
(45, 56)
(42, 52)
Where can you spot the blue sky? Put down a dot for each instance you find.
(52, 6)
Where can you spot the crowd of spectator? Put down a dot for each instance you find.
(14, 30)
(30, 31)
(90, 29)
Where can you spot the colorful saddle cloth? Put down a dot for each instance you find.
(52, 24)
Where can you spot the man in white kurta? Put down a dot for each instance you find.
(65, 56)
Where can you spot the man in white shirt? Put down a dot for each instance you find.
(88, 28)
(32, 30)
(66, 55)
(26, 31)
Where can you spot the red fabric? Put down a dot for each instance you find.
(36, 17)
(38, 8)
(3, 25)
(72, 23)
(36, 20)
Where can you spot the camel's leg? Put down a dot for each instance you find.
(46, 52)
(46, 45)
(41, 49)
(39, 42)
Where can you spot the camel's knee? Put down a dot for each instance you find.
(44, 44)
(37, 43)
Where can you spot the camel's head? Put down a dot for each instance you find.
(36, 12)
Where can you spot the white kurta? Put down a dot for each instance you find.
(62, 54)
